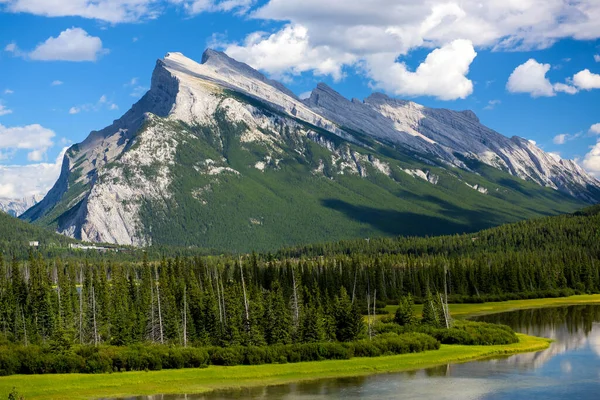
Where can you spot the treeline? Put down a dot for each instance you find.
(309, 296)
(556, 233)
(140, 357)
(180, 301)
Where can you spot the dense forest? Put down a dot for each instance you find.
(316, 294)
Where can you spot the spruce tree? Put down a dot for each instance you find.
(349, 321)
(404, 314)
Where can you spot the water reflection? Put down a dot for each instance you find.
(570, 368)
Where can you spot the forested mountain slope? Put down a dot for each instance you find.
(216, 155)
(15, 236)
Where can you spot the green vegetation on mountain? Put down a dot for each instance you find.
(306, 194)
(15, 236)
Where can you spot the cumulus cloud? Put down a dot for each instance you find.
(34, 138)
(200, 6)
(56, 83)
(73, 44)
(8, 91)
(597, 57)
(17, 181)
(506, 24)
(591, 161)
(442, 74)
(530, 77)
(586, 80)
(595, 129)
(564, 88)
(374, 36)
(112, 11)
(288, 51)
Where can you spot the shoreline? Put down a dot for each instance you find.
(196, 381)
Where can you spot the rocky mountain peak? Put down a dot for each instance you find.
(197, 111)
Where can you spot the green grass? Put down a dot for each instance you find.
(80, 386)
(469, 310)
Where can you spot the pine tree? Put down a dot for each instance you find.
(278, 319)
(349, 321)
(405, 314)
(430, 313)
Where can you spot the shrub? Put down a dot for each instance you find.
(472, 333)
(227, 356)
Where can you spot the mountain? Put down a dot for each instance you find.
(16, 207)
(217, 155)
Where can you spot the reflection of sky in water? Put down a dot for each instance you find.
(569, 369)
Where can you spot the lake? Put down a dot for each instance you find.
(570, 368)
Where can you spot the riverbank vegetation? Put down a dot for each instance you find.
(199, 380)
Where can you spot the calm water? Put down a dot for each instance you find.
(569, 369)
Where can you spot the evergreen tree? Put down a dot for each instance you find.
(349, 321)
(405, 314)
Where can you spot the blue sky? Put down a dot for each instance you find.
(529, 68)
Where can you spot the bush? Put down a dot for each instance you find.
(9, 362)
(105, 359)
(227, 355)
(472, 333)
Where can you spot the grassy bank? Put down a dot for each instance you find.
(469, 310)
(80, 386)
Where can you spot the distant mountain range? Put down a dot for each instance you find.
(16, 207)
(217, 155)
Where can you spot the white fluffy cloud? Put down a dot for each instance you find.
(442, 74)
(595, 129)
(591, 161)
(73, 44)
(105, 10)
(597, 57)
(288, 51)
(56, 83)
(530, 77)
(199, 6)
(34, 138)
(17, 181)
(373, 36)
(586, 80)
(501, 23)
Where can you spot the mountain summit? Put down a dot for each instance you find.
(217, 155)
